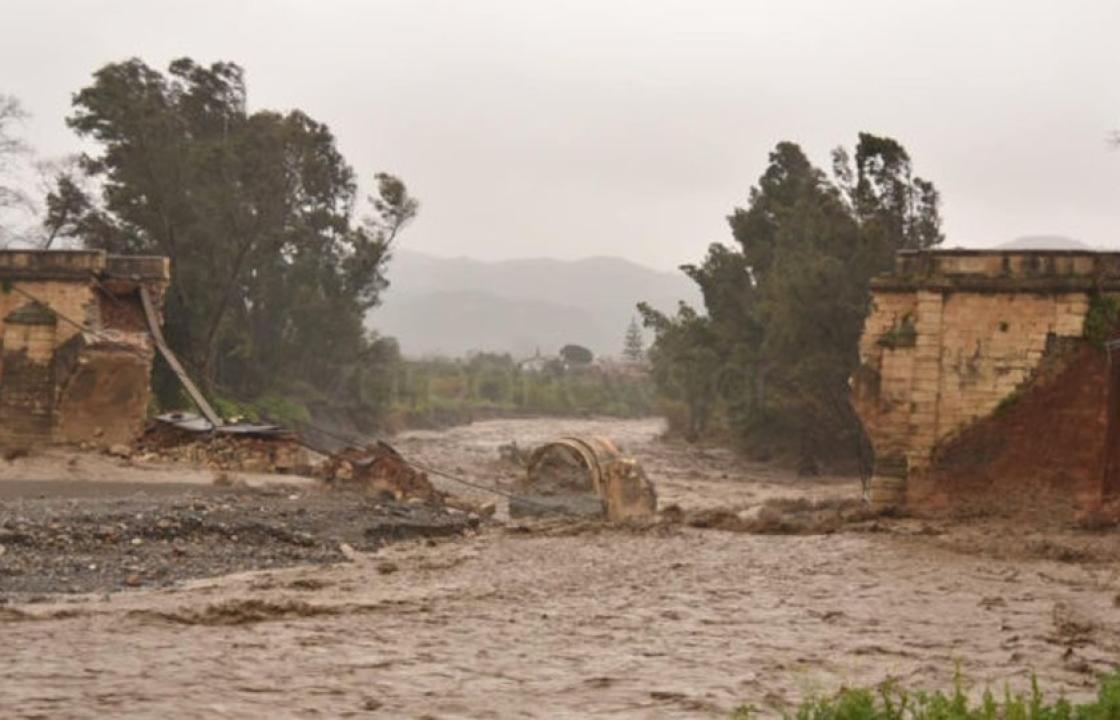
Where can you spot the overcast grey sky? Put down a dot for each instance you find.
(575, 128)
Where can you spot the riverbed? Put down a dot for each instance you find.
(556, 620)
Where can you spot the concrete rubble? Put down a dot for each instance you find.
(276, 452)
(378, 468)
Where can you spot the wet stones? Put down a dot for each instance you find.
(583, 505)
(128, 539)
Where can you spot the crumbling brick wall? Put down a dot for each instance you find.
(27, 389)
(953, 334)
(75, 364)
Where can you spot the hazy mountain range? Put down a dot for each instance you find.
(453, 306)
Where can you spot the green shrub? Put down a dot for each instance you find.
(891, 703)
(902, 334)
(438, 392)
(229, 408)
(282, 411)
(1101, 319)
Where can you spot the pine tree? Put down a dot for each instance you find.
(633, 348)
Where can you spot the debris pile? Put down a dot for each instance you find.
(236, 447)
(627, 492)
(379, 468)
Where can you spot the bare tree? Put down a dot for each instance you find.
(13, 153)
(70, 194)
(43, 202)
(11, 112)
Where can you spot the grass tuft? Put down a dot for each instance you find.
(889, 702)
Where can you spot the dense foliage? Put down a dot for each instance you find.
(444, 392)
(769, 362)
(892, 703)
(576, 355)
(271, 274)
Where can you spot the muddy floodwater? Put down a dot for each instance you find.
(553, 620)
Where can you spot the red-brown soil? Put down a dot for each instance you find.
(1040, 452)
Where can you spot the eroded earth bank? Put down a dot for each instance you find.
(762, 589)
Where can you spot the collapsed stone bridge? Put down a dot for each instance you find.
(76, 351)
(975, 377)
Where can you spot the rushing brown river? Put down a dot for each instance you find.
(555, 621)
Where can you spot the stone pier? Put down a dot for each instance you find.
(76, 354)
(953, 334)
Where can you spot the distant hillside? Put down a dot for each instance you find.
(451, 306)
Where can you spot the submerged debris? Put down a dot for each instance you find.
(584, 477)
(379, 468)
